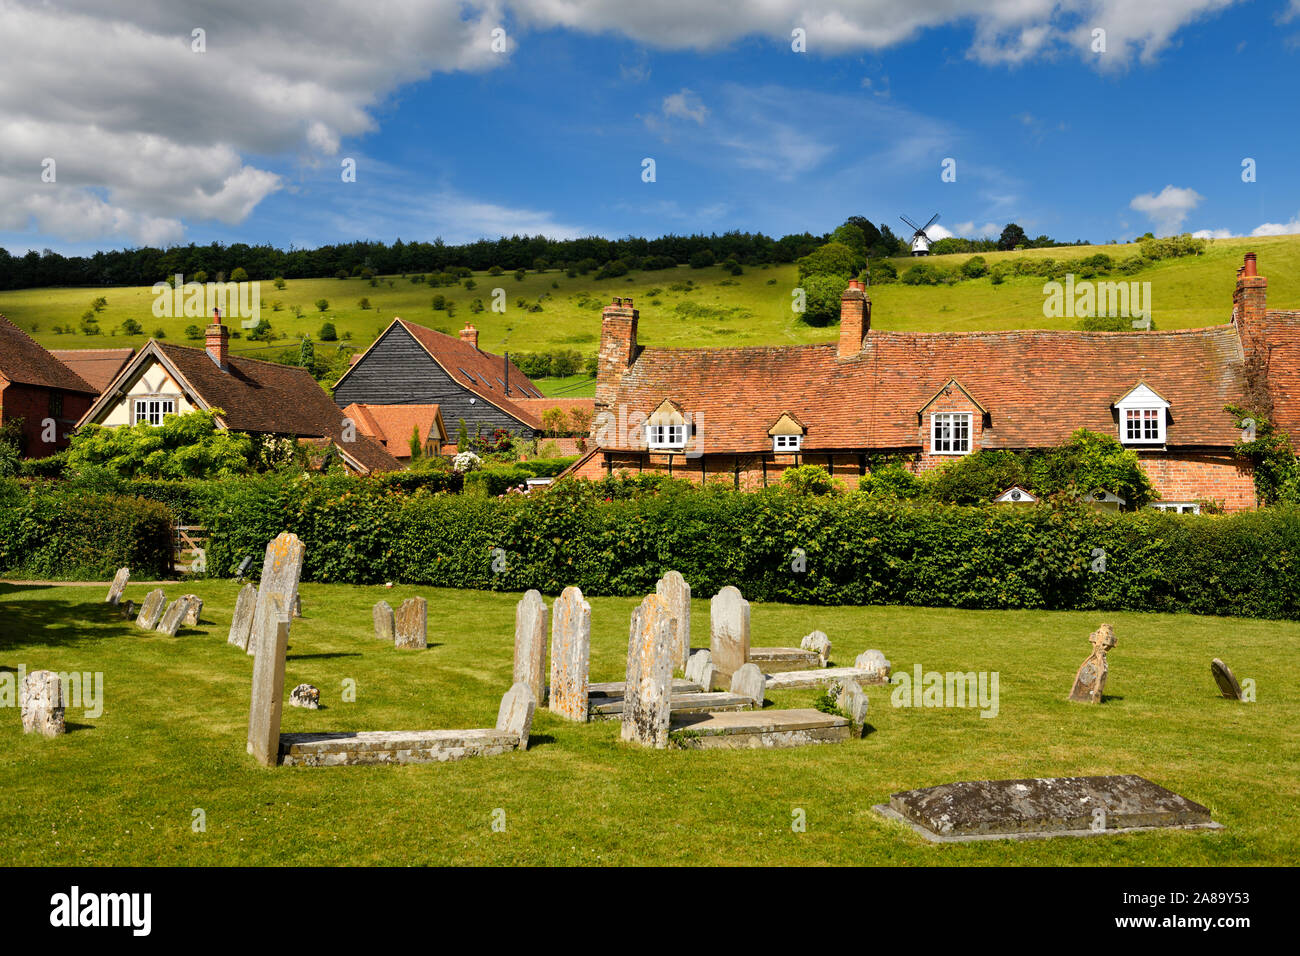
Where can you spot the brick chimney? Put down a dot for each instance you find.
(855, 319)
(218, 342)
(469, 334)
(617, 348)
(1248, 302)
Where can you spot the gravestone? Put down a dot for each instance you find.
(241, 625)
(728, 635)
(118, 586)
(41, 704)
(570, 654)
(151, 611)
(128, 610)
(193, 610)
(297, 604)
(170, 622)
(268, 684)
(820, 644)
(749, 682)
(530, 644)
(874, 663)
(699, 669)
(1229, 686)
(515, 715)
(1090, 681)
(853, 701)
(281, 569)
(647, 700)
(305, 695)
(672, 587)
(411, 624)
(382, 613)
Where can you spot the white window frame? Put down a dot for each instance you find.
(155, 406)
(1142, 417)
(667, 437)
(1178, 507)
(945, 429)
(786, 444)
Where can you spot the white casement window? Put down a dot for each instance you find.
(152, 410)
(786, 443)
(950, 433)
(1178, 507)
(1143, 425)
(667, 437)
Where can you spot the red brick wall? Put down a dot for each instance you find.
(1192, 477)
(31, 403)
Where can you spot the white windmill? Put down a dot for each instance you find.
(920, 241)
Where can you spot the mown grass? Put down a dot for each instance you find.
(720, 310)
(122, 788)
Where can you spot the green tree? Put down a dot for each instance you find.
(279, 282)
(193, 332)
(822, 299)
(322, 305)
(131, 327)
(238, 274)
(834, 258)
(328, 333)
(1011, 237)
(306, 353)
(183, 446)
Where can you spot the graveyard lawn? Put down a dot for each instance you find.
(132, 785)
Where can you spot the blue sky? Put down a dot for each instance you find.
(451, 139)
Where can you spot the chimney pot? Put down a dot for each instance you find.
(217, 341)
(1249, 265)
(469, 334)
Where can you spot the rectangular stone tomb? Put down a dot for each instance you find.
(758, 729)
(1043, 807)
(773, 659)
(617, 688)
(608, 708)
(392, 746)
(802, 680)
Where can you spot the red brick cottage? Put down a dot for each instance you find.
(42, 392)
(744, 415)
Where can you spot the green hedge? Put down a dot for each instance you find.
(66, 534)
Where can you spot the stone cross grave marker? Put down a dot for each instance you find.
(118, 586)
(41, 704)
(676, 593)
(281, 569)
(241, 625)
(411, 624)
(268, 684)
(647, 699)
(728, 635)
(1229, 686)
(382, 614)
(530, 644)
(1090, 681)
(570, 654)
(151, 610)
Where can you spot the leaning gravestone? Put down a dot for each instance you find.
(41, 704)
(570, 654)
(647, 701)
(874, 663)
(382, 614)
(672, 587)
(268, 684)
(853, 701)
(1090, 681)
(749, 682)
(151, 611)
(515, 715)
(118, 586)
(171, 620)
(699, 669)
(728, 635)
(281, 569)
(1229, 686)
(530, 644)
(193, 610)
(819, 643)
(241, 625)
(411, 624)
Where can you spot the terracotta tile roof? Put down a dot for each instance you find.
(24, 361)
(97, 366)
(393, 425)
(1038, 386)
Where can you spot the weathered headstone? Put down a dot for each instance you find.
(241, 625)
(515, 715)
(296, 605)
(699, 669)
(1229, 686)
(570, 654)
(384, 623)
(818, 642)
(41, 704)
(853, 701)
(268, 684)
(647, 700)
(411, 624)
(193, 610)
(530, 644)
(128, 610)
(1090, 681)
(151, 611)
(728, 635)
(305, 695)
(118, 586)
(874, 662)
(749, 682)
(281, 569)
(170, 622)
(672, 587)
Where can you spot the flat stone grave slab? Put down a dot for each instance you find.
(1043, 807)
(757, 729)
(772, 659)
(801, 680)
(607, 708)
(618, 688)
(392, 746)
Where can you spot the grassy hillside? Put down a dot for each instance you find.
(716, 309)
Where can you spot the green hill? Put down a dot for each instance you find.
(680, 307)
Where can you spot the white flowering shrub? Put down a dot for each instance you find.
(467, 461)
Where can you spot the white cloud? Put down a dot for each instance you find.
(969, 230)
(1167, 208)
(684, 104)
(1278, 228)
(1212, 234)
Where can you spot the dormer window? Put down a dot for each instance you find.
(786, 443)
(666, 437)
(1142, 415)
(950, 433)
(787, 435)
